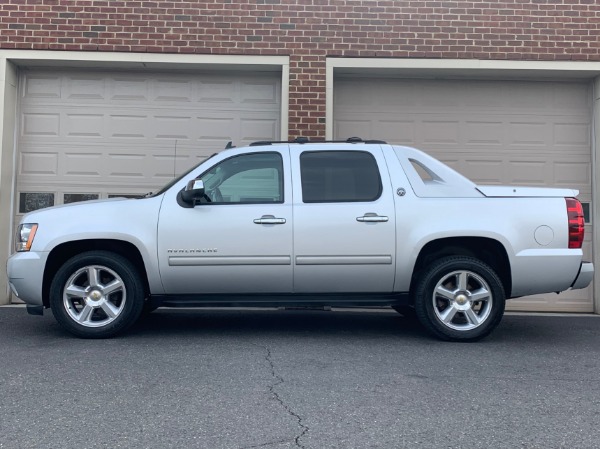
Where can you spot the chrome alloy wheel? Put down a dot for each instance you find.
(462, 300)
(94, 296)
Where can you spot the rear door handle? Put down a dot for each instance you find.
(372, 218)
(269, 219)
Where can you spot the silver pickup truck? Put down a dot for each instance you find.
(355, 223)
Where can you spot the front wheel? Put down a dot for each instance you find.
(96, 294)
(459, 298)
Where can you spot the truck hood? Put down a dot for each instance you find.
(32, 216)
(523, 192)
(91, 208)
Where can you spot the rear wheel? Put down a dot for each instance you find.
(459, 298)
(96, 294)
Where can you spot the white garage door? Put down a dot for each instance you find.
(90, 134)
(494, 132)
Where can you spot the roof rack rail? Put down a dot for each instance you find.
(303, 140)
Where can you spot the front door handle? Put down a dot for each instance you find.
(372, 218)
(269, 219)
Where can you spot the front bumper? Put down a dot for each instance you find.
(26, 275)
(585, 276)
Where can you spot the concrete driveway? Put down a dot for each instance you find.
(298, 379)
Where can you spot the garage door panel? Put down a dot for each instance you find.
(215, 91)
(130, 89)
(483, 133)
(40, 124)
(484, 171)
(168, 90)
(528, 172)
(347, 97)
(210, 127)
(574, 134)
(528, 133)
(436, 96)
(494, 132)
(126, 165)
(41, 87)
(576, 171)
(258, 93)
(256, 128)
(439, 131)
(401, 129)
(164, 166)
(36, 164)
(572, 97)
(80, 125)
(500, 171)
(89, 88)
(81, 163)
(173, 127)
(528, 95)
(478, 95)
(355, 127)
(130, 126)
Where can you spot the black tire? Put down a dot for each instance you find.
(459, 298)
(99, 308)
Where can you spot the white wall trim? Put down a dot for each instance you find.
(139, 59)
(285, 101)
(8, 99)
(596, 190)
(485, 64)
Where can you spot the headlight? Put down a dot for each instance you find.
(25, 236)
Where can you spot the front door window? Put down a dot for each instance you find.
(249, 178)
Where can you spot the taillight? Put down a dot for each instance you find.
(576, 222)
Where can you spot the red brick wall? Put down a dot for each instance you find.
(310, 30)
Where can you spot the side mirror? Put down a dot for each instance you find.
(193, 191)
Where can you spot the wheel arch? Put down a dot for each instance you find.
(63, 252)
(488, 250)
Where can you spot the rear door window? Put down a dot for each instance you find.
(339, 176)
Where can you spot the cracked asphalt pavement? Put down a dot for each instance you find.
(280, 379)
